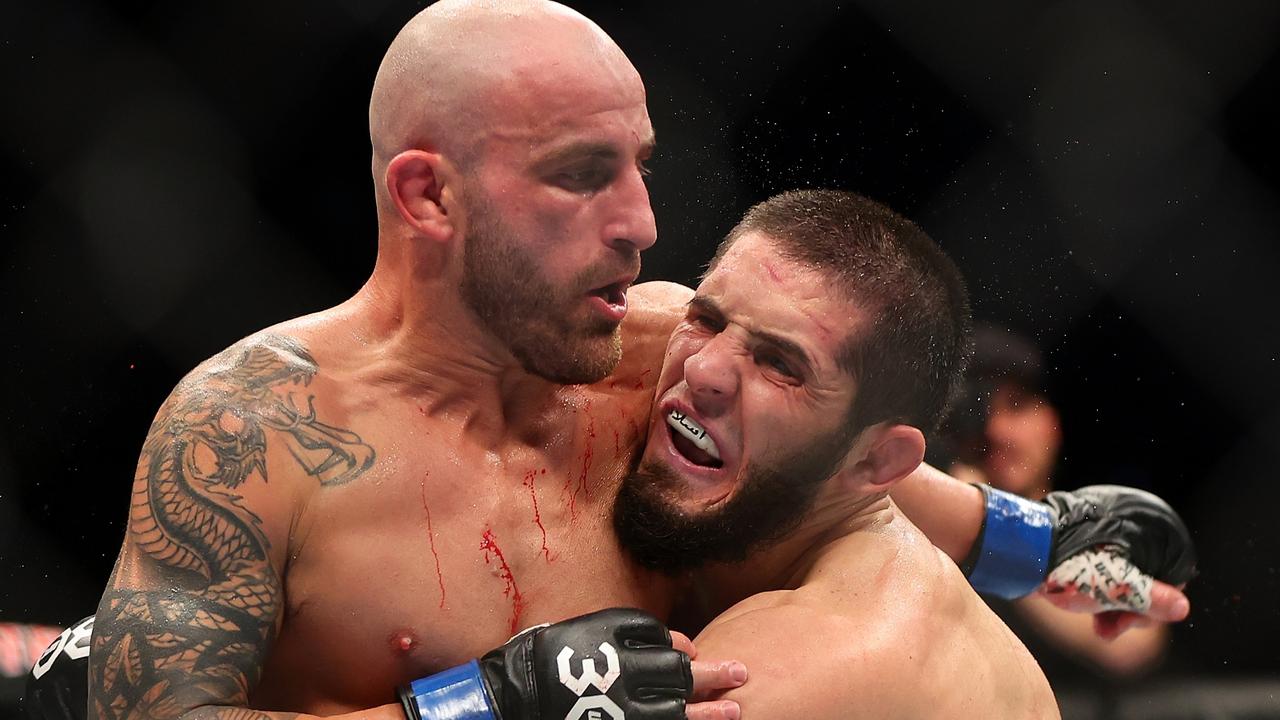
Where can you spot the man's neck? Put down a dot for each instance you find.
(785, 565)
(419, 338)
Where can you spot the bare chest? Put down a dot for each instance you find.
(442, 552)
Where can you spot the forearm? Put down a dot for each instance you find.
(949, 512)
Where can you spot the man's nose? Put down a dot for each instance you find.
(633, 225)
(712, 376)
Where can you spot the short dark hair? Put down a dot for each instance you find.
(909, 360)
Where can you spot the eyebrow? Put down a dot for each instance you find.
(591, 149)
(790, 347)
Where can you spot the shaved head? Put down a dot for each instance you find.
(511, 135)
(463, 70)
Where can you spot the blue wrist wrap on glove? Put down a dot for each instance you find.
(454, 694)
(1014, 547)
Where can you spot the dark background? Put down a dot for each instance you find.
(174, 176)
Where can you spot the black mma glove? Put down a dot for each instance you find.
(608, 664)
(58, 685)
(1107, 538)
(1140, 525)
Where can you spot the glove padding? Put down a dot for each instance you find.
(58, 685)
(609, 664)
(1134, 524)
(617, 659)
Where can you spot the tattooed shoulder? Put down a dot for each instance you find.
(192, 627)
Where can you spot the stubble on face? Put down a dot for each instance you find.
(544, 325)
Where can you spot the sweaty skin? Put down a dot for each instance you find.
(866, 618)
(353, 499)
(881, 625)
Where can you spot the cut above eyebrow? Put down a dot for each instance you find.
(787, 346)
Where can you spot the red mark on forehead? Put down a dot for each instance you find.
(768, 266)
(431, 538)
(489, 544)
(823, 330)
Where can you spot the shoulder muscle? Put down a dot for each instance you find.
(197, 595)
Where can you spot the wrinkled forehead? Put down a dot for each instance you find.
(755, 285)
(754, 262)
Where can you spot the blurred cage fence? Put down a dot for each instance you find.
(1105, 173)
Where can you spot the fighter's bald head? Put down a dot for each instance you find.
(460, 70)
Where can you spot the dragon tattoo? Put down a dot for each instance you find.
(197, 634)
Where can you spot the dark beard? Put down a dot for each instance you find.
(501, 284)
(768, 506)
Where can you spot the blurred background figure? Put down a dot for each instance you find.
(1006, 431)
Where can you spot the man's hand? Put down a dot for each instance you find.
(1113, 551)
(710, 679)
(1116, 550)
(620, 662)
(1104, 582)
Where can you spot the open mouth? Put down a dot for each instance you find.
(614, 294)
(692, 441)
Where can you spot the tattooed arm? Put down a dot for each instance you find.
(196, 598)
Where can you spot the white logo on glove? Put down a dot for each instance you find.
(74, 641)
(592, 704)
(589, 675)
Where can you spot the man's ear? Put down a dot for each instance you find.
(420, 183)
(888, 454)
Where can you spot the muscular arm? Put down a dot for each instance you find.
(880, 628)
(949, 512)
(799, 666)
(196, 598)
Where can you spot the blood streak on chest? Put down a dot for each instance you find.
(489, 545)
(581, 486)
(529, 479)
(431, 538)
(640, 380)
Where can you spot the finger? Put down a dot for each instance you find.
(715, 710)
(1099, 579)
(1111, 625)
(1168, 604)
(713, 677)
(681, 642)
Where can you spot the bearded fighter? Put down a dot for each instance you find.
(388, 489)
(823, 343)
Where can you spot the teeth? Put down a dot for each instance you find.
(692, 430)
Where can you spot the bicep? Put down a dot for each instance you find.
(949, 512)
(196, 596)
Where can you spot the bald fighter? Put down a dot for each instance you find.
(349, 501)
